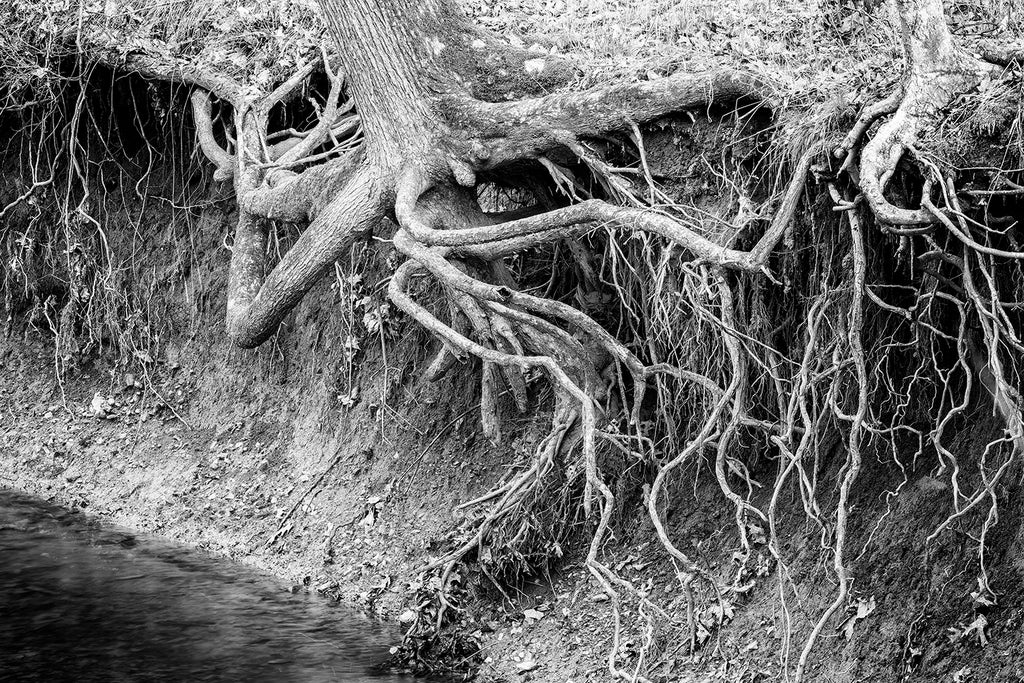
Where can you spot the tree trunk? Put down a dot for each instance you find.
(389, 54)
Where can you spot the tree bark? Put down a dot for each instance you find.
(256, 306)
(395, 57)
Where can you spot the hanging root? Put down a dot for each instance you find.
(1000, 350)
(665, 333)
(856, 427)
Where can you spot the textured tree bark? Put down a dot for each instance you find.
(256, 306)
(396, 55)
(410, 67)
(391, 55)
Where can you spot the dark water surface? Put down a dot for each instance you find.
(85, 602)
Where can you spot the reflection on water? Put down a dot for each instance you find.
(79, 602)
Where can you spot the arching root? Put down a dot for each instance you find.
(938, 74)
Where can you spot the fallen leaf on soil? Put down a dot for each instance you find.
(533, 615)
(963, 675)
(528, 664)
(723, 611)
(983, 596)
(977, 627)
(864, 608)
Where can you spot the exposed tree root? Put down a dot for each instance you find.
(938, 73)
(853, 462)
(407, 133)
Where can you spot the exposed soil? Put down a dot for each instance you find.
(252, 455)
(325, 458)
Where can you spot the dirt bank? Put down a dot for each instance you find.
(327, 458)
(253, 456)
(329, 464)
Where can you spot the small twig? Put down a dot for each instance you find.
(284, 520)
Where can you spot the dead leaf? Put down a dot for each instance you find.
(757, 534)
(528, 664)
(864, 608)
(533, 615)
(977, 627)
(963, 675)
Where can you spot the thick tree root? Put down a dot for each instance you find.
(938, 74)
(415, 152)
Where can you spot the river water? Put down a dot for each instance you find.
(84, 602)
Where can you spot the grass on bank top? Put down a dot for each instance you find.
(826, 58)
(611, 37)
